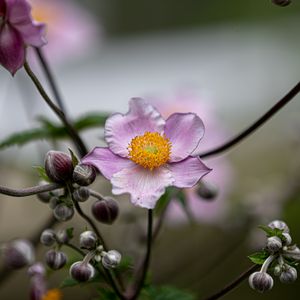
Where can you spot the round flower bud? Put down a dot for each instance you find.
(53, 202)
(105, 211)
(88, 240)
(84, 175)
(58, 166)
(288, 275)
(55, 259)
(292, 252)
(279, 225)
(36, 269)
(261, 281)
(62, 212)
(62, 236)
(207, 190)
(82, 194)
(18, 254)
(111, 259)
(81, 271)
(282, 3)
(288, 238)
(274, 244)
(277, 270)
(48, 237)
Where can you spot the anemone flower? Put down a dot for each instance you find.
(146, 153)
(17, 30)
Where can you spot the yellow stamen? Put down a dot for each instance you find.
(150, 150)
(54, 294)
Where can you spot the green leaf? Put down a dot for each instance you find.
(75, 160)
(273, 232)
(107, 294)
(166, 293)
(259, 257)
(69, 282)
(42, 173)
(70, 233)
(163, 202)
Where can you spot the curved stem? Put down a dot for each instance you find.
(233, 284)
(29, 191)
(286, 99)
(96, 195)
(74, 248)
(72, 132)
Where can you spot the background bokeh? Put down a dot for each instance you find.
(238, 57)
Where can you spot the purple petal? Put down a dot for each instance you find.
(185, 131)
(106, 162)
(188, 172)
(12, 51)
(19, 16)
(121, 129)
(144, 186)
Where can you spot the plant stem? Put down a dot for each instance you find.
(74, 248)
(29, 191)
(233, 284)
(287, 98)
(50, 78)
(96, 195)
(69, 128)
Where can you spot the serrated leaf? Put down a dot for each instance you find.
(42, 173)
(166, 293)
(75, 160)
(259, 257)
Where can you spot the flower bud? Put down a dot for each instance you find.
(111, 259)
(81, 271)
(62, 236)
(274, 244)
(207, 190)
(288, 238)
(62, 212)
(282, 3)
(84, 175)
(288, 275)
(277, 270)
(261, 281)
(48, 237)
(55, 259)
(36, 269)
(106, 211)
(18, 254)
(82, 194)
(53, 202)
(292, 252)
(279, 225)
(58, 166)
(88, 240)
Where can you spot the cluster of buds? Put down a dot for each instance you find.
(279, 256)
(84, 270)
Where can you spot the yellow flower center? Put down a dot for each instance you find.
(41, 12)
(150, 150)
(54, 294)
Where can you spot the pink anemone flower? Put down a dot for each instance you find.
(146, 153)
(17, 30)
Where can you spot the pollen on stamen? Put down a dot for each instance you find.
(150, 150)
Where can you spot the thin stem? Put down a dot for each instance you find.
(233, 284)
(267, 263)
(50, 78)
(74, 248)
(113, 284)
(72, 132)
(281, 103)
(96, 195)
(29, 191)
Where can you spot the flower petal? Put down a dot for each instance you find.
(12, 51)
(144, 186)
(185, 131)
(106, 162)
(121, 129)
(188, 172)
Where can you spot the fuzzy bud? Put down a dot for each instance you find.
(62, 212)
(207, 191)
(292, 252)
(62, 236)
(111, 259)
(36, 269)
(274, 244)
(279, 225)
(106, 211)
(81, 271)
(55, 259)
(84, 175)
(48, 237)
(288, 238)
(282, 3)
(58, 166)
(277, 270)
(88, 240)
(82, 194)
(261, 281)
(288, 275)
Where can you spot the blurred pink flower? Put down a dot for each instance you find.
(71, 31)
(209, 211)
(17, 30)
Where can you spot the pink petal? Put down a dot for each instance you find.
(121, 129)
(12, 51)
(185, 131)
(144, 186)
(188, 172)
(106, 162)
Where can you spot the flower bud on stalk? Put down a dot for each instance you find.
(282, 3)
(82, 271)
(274, 244)
(288, 274)
(207, 190)
(58, 166)
(45, 196)
(292, 252)
(55, 259)
(88, 240)
(288, 238)
(53, 202)
(105, 211)
(111, 259)
(261, 281)
(279, 225)
(62, 212)
(82, 194)
(84, 175)
(48, 237)
(62, 236)
(18, 254)
(36, 269)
